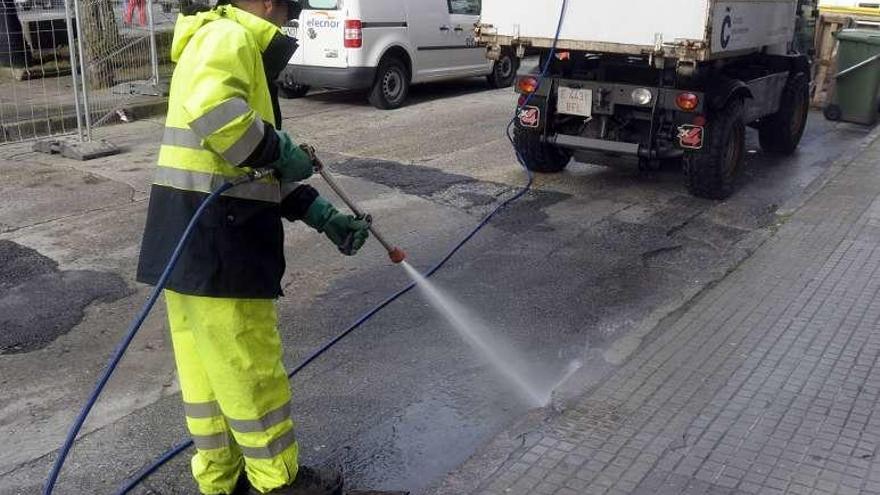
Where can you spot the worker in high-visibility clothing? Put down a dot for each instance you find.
(223, 121)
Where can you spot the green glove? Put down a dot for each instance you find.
(293, 164)
(348, 232)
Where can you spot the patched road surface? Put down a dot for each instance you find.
(582, 268)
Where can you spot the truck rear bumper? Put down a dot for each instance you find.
(579, 143)
(330, 77)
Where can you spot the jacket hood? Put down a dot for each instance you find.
(187, 25)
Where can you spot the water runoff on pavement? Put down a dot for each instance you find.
(534, 385)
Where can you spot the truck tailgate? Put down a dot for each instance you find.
(620, 22)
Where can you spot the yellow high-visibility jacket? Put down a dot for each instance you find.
(222, 115)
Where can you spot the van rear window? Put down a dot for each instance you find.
(322, 4)
(467, 7)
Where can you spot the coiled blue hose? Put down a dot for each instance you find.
(134, 481)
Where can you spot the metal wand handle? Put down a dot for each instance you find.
(352, 205)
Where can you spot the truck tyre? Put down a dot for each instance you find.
(291, 91)
(539, 156)
(712, 172)
(503, 71)
(391, 86)
(782, 131)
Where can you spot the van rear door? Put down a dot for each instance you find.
(321, 34)
(430, 31)
(468, 58)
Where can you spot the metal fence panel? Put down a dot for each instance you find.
(120, 55)
(37, 90)
(54, 84)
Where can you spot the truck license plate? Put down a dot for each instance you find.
(573, 101)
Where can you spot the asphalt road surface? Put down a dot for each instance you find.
(581, 268)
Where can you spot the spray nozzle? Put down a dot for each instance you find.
(397, 255)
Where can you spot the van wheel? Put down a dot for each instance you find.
(782, 131)
(391, 86)
(712, 172)
(537, 155)
(503, 71)
(291, 91)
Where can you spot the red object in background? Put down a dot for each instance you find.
(530, 116)
(129, 11)
(690, 137)
(354, 34)
(687, 101)
(527, 85)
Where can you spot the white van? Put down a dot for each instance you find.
(386, 45)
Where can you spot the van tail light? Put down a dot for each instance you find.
(354, 33)
(527, 85)
(687, 101)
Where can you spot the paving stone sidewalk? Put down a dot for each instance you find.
(768, 383)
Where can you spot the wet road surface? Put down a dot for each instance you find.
(581, 268)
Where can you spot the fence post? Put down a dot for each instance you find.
(77, 12)
(73, 68)
(154, 56)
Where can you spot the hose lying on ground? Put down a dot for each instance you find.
(132, 482)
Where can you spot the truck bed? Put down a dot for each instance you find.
(696, 29)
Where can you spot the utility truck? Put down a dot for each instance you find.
(657, 80)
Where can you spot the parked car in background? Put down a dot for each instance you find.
(384, 46)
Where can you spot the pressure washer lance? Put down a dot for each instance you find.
(396, 254)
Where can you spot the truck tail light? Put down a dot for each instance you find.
(354, 33)
(687, 101)
(527, 85)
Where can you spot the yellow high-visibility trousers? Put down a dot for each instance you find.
(236, 394)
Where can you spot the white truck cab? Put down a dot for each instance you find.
(386, 45)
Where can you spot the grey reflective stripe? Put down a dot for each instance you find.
(274, 448)
(184, 138)
(219, 116)
(211, 442)
(189, 180)
(271, 419)
(242, 149)
(202, 410)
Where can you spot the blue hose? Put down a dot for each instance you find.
(132, 482)
(123, 346)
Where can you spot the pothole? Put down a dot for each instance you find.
(39, 302)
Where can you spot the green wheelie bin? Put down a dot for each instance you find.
(857, 92)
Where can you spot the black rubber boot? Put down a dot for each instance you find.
(310, 481)
(242, 486)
